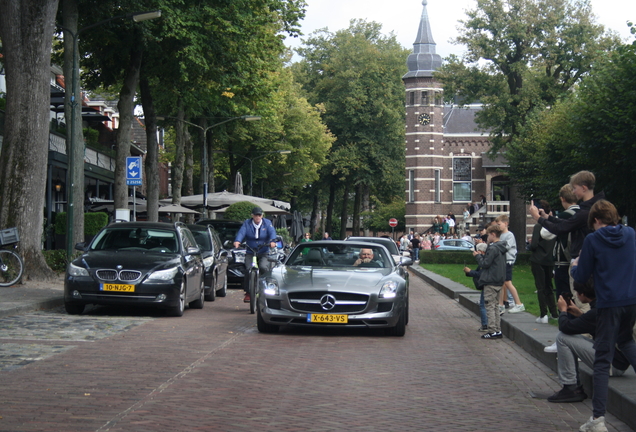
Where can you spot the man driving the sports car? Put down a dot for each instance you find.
(257, 233)
(365, 259)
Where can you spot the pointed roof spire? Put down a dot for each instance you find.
(423, 61)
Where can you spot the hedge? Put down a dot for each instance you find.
(460, 257)
(93, 222)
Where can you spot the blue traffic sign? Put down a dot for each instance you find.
(133, 171)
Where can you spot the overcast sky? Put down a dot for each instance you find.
(403, 16)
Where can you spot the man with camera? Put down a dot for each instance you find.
(573, 343)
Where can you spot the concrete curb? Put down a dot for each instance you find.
(532, 337)
(14, 308)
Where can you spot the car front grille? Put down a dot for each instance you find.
(310, 302)
(122, 275)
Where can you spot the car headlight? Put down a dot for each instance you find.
(271, 287)
(74, 270)
(207, 262)
(389, 289)
(164, 275)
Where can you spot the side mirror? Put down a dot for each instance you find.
(405, 261)
(80, 246)
(194, 251)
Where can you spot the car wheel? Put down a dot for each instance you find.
(223, 291)
(262, 326)
(211, 296)
(177, 311)
(73, 308)
(198, 303)
(406, 312)
(400, 327)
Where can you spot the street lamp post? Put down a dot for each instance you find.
(204, 153)
(254, 158)
(73, 177)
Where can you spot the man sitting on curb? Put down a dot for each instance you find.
(572, 344)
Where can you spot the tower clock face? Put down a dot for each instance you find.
(424, 119)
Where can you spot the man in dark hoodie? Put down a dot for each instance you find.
(492, 277)
(609, 254)
(583, 184)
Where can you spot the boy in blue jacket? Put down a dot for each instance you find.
(492, 277)
(609, 253)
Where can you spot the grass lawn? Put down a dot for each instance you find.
(521, 278)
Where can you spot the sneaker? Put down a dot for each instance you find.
(517, 308)
(495, 335)
(482, 329)
(542, 320)
(594, 425)
(506, 304)
(246, 299)
(550, 349)
(566, 395)
(502, 310)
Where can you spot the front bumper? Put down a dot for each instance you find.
(84, 290)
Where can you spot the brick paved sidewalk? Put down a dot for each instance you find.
(212, 370)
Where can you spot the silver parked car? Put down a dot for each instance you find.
(454, 244)
(335, 283)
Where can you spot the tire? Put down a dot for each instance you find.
(262, 326)
(178, 310)
(223, 291)
(406, 312)
(252, 287)
(74, 308)
(211, 296)
(200, 302)
(11, 269)
(400, 328)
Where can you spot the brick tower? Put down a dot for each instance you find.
(424, 131)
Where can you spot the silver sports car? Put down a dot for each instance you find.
(335, 283)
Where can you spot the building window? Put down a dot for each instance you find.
(425, 98)
(438, 98)
(438, 188)
(462, 179)
(411, 185)
(412, 98)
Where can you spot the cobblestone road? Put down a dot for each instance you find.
(212, 371)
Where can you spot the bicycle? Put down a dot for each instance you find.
(253, 275)
(11, 265)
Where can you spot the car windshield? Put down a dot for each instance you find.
(387, 243)
(339, 255)
(154, 240)
(203, 240)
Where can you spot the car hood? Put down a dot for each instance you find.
(135, 260)
(303, 278)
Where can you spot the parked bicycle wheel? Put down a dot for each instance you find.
(253, 285)
(11, 268)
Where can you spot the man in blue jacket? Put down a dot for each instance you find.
(609, 253)
(259, 234)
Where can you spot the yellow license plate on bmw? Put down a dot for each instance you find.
(117, 287)
(328, 318)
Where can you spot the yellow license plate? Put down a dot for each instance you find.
(328, 318)
(117, 287)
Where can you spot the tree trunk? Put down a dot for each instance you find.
(314, 215)
(25, 29)
(355, 231)
(70, 18)
(152, 155)
(330, 204)
(177, 167)
(344, 215)
(125, 105)
(211, 185)
(518, 218)
(188, 177)
(366, 205)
